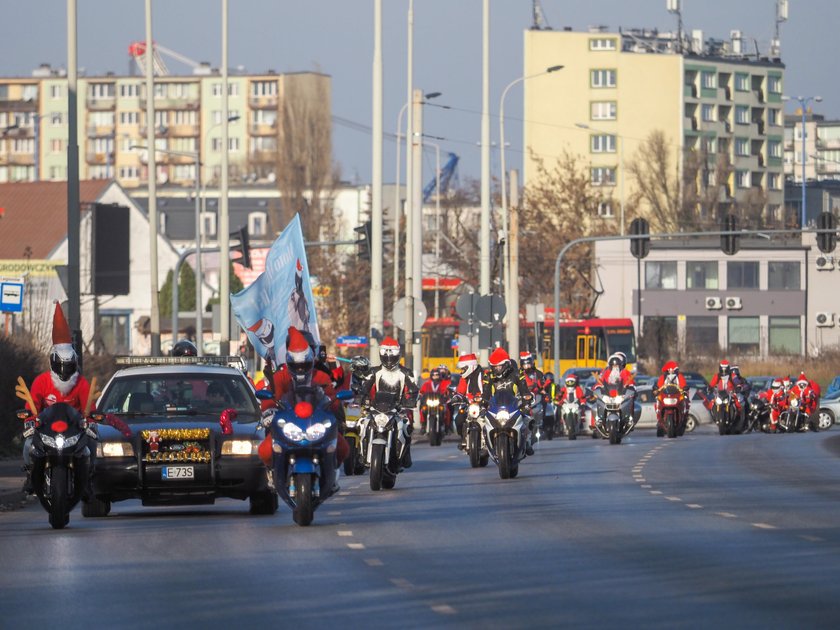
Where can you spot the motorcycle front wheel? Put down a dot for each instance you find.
(304, 509)
(615, 433)
(504, 454)
(377, 466)
(474, 448)
(59, 497)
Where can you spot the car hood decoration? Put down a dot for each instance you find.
(176, 445)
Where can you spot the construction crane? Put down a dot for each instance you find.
(446, 173)
(538, 22)
(137, 51)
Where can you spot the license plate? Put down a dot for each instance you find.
(178, 472)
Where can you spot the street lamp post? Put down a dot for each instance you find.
(512, 317)
(620, 140)
(803, 105)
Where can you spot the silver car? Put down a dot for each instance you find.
(829, 410)
(698, 413)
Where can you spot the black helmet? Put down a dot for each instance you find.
(184, 348)
(389, 353)
(322, 353)
(360, 366)
(63, 363)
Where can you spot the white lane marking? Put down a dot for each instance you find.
(444, 609)
(334, 513)
(401, 583)
(355, 545)
(374, 562)
(763, 526)
(811, 538)
(647, 485)
(344, 532)
(344, 494)
(694, 506)
(640, 479)
(673, 499)
(726, 514)
(656, 491)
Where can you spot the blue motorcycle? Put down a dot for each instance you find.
(506, 433)
(304, 438)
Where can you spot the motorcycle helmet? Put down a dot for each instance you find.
(571, 381)
(467, 363)
(787, 383)
(500, 363)
(671, 368)
(435, 375)
(802, 382)
(623, 358)
(724, 368)
(445, 374)
(63, 363)
(300, 360)
(549, 377)
(776, 385)
(322, 353)
(526, 361)
(615, 361)
(389, 353)
(360, 366)
(184, 348)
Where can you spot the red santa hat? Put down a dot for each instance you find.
(525, 355)
(498, 356)
(467, 360)
(390, 343)
(298, 349)
(61, 337)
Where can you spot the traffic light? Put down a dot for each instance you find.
(730, 244)
(363, 242)
(827, 241)
(244, 247)
(639, 247)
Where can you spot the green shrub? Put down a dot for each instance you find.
(19, 356)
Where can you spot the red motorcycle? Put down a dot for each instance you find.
(671, 419)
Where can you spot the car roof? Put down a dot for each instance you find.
(179, 370)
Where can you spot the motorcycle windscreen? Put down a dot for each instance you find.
(504, 399)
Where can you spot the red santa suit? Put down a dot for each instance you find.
(47, 390)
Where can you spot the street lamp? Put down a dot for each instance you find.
(199, 328)
(620, 163)
(512, 309)
(803, 104)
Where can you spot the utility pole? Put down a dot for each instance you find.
(417, 225)
(224, 213)
(513, 295)
(409, 196)
(73, 205)
(151, 163)
(485, 161)
(376, 298)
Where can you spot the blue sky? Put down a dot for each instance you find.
(336, 37)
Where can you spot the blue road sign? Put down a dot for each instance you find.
(349, 341)
(11, 297)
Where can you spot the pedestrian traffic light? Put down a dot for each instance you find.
(244, 247)
(827, 240)
(639, 247)
(730, 244)
(363, 242)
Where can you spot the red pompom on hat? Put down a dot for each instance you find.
(498, 356)
(61, 330)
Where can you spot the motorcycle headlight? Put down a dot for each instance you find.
(474, 410)
(670, 401)
(381, 420)
(503, 416)
(60, 442)
(293, 432)
(432, 403)
(316, 431)
(115, 449)
(240, 447)
(719, 400)
(794, 403)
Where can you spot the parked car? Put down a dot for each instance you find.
(583, 373)
(829, 410)
(695, 379)
(698, 414)
(833, 386)
(181, 433)
(760, 383)
(645, 380)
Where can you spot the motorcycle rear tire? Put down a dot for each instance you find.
(350, 462)
(96, 508)
(59, 497)
(261, 503)
(504, 455)
(377, 467)
(304, 509)
(722, 429)
(389, 481)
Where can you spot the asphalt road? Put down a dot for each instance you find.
(697, 532)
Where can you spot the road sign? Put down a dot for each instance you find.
(398, 314)
(640, 247)
(350, 341)
(11, 297)
(465, 306)
(490, 309)
(490, 336)
(535, 312)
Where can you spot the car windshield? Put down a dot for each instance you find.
(138, 395)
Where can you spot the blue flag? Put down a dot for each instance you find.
(280, 297)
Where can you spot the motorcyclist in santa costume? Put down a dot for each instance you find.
(391, 384)
(62, 383)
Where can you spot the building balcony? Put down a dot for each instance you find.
(160, 132)
(184, 131)
(100, 131)
(263, 102)
(828, 143)
(92, 157)
(189, 103)
(18, 105)
(263, 130)
(263, 155)
(101, 104)
(20, 159)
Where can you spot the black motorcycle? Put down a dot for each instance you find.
(435, 413)
(385, 439)
(616, 412)
(62, 444)
(793, 419)
(725, 413)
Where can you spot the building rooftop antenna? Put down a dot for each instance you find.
(674, 6)
(781, 16)
(538, 21)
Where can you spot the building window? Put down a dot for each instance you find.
(56, 92)
(741, 275)
(605, 209)
(602, 78)
(785, 336)
(661, 274)
(701, 274)
(774, 148)
(742, 115)
(702, 332)
(774, 84)
(56, 145)
(115, 332)
(742, 82)
(783, 276)
(774, 181)
(708, 112)
(774, 117)
(129, 118)
(101, 90)
(602, 43)
(208, 224)
(130, 90)
(603, 143)
(257, 223)
(233, 145)
(602, 176)
(129, 172)
(603, 110)
(216, 90)
(264, 88)
(709, 80)
(742, 147)
(58, 173)
(743, 179)
(56, 119)
(744, 335)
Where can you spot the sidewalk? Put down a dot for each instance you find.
(11, 482)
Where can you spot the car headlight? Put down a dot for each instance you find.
(381, 420)
(434, 402)
(239, 447)
(316, 431)
(670, 401)
(114, 449)
(503, 416)
(474, 410)
(293, 432)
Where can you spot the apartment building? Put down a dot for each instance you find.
(710, 99)
(188, 117)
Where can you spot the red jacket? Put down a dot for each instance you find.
(718, 381)
(471, 386)
(44, 393)
(625, 377)
(681, 382)
(563, 393)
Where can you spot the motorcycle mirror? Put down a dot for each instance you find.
(23, 414)
(264, 394)
(344, 394)
(97, 417)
